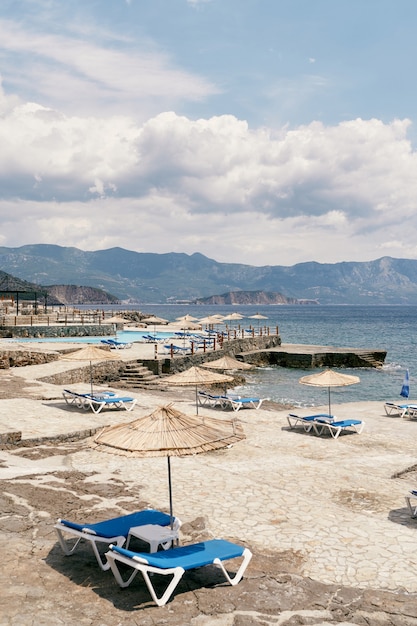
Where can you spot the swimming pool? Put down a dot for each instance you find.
(125, 336)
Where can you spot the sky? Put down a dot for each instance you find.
(262, 132)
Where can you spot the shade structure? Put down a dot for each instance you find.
(227, 362)
(154, 319)
(186, 325)
(115, 319)
(168, 432)
(212, 319)
(196, 376)
(186, 318)
(234, 316)
(258, 316)
(329, 378)
(91, 354)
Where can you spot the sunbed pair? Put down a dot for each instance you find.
(401, 410)
(97, 401)
(116, 345)
(323, 423)
(173, 562)
(228, 401)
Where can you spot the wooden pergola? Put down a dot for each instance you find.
(17, 288)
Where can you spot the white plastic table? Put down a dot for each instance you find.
(154, 535)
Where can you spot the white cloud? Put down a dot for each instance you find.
(77, 73)
(257, 196)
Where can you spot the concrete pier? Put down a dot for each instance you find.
(309, 356)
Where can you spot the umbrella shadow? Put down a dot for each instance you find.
(81, 569)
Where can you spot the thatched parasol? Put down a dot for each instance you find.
(212, 319)
(168, 432)
(115, 319)
(186, 318)
(329, 378)
(90, 353)
(196, 376)
(227, 362)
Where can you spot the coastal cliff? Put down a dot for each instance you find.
(251, 297)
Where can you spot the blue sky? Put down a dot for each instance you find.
(266, 132)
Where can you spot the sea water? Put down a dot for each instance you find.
(389, 328)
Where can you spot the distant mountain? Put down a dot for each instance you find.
(75, 294)
(249, 297)
(158, 278)
(54, 294)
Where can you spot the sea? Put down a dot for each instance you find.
(389, 328)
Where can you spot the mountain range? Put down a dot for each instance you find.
(138, 277)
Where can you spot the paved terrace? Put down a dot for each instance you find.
(335, 508)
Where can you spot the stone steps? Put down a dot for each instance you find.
(138, 376)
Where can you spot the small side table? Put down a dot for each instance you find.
(153, 534)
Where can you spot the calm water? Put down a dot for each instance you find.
(387, 328)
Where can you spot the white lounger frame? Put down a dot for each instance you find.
(69, 546)
(140, 565)
(335, 429)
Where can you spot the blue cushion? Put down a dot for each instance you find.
(121, 525)
(188, 557)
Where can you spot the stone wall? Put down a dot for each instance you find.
(20, 358)
(105, 372)
(40, 332)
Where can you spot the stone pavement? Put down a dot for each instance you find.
(336, 508)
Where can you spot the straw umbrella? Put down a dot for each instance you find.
(168, 432)
(91, 354)
(186, 318)
(233, 317)
(258, 316)
(227, 362)
(196, 376)
(329, 378)
(115, 319)
(155, 320)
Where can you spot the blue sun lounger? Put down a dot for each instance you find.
(238, 403)
(403, 410)
(175, 562)
(112, 531)
(335, 428)
(97, 401)
(307, 421)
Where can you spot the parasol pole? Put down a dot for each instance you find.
(91, 377)
(171, 511)
(330, 408)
